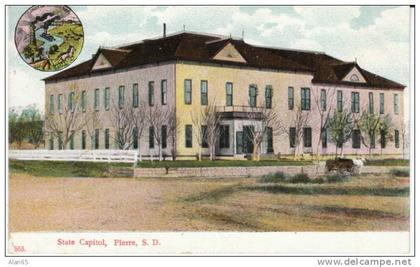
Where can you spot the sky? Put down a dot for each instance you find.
(378, 37)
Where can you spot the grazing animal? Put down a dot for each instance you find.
(357, 165)
(68, 54)
(340, 165)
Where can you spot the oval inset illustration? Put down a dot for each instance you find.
(49, 38)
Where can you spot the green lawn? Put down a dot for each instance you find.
(387, 162)
(66, 168)
(73, 35)
(104, 169)
(221, 163)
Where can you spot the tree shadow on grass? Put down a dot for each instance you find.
(303, 190)
(356, 212)
(212, 195)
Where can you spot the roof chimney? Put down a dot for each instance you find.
(164, 30)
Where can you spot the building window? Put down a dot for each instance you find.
(371, 103)
(96, 141)
(188, 135)
(96, 99)
(164, 92)
(51, 104)
(291, 97)
(268, 96)
(135, 138)
(381, 103)
(397, 138)
(135, 95)
(383, 139)
(83, 139)
(121, 93)
(248, 133)
(70, 104)
(339, 101)
(72, 140)
(151, 137)
(239, 142)
(252, 95)
(204, 92)
(396, 102)
(106, 98)
(151, 86)
(164, 136)
(60, 141)
(372, 139)
(305, 98)
(60, 103)
(51, 142)
(292, 137)
(324, 137)
(269, 136)
(340, 141)
(356, 139)
(106, 139)
(224, 136)
(204, 136)
(83, 101)
(307, 137)
(229, 94)
(323, 100)
(355, 102)
(187, 92)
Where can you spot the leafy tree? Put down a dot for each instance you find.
(340, 127)
(369, 125)
(385, 131)
(31, 118)
(53, 49)
(26, 126)
(15, 135)
(29, 52)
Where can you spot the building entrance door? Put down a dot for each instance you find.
(247, 139)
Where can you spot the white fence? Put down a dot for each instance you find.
(130, 156)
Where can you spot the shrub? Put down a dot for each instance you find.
(300, 178)
(400, 172)
(387, 162)
(273, 177)
(335, 178)
(318, 180)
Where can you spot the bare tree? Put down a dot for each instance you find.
(156, 118)
(122, 121)
(404, 136)
(139, 120)
(198, 120)
(323, 102)
(211, 118)
(173, 129)
(299, 120)
(262, 119)
(64, 123)
(91, 121)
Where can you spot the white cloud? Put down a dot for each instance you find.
(327, 15)
(381, 47)
(24, 88)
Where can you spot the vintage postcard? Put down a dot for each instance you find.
(209, 130)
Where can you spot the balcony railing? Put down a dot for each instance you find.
(239, 108)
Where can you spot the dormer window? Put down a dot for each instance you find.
(354, 78)
(354, 75)
(230, 53)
